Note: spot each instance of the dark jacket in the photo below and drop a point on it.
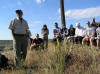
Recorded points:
(71, 32)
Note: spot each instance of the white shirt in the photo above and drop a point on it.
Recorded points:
(90, 31)
(98, 32)
(80, 32)
(18, 26)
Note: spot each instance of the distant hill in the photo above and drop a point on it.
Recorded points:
(6, 45)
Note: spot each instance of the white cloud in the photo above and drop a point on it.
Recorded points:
(83, 13)
(40, 1)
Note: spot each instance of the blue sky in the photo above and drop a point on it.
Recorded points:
(40, 12)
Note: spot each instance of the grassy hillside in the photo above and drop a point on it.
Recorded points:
(64, 58)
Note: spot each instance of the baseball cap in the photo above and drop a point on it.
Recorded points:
(77, 24)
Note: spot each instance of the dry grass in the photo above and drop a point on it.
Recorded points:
(64, 58)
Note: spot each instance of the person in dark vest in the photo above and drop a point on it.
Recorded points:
(37, 43)
(71, 31)
(19, 28)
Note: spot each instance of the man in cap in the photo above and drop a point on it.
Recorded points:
(79, 33)
(89, 34)
(71, 33)
(19, 28)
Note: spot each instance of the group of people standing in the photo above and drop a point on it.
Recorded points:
(21, 36)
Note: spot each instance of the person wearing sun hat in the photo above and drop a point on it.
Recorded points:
(89, 34)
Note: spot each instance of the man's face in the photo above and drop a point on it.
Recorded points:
(93, 19)
(37, 36)
(88, 24)
(44, 27)
(19, 15)
(56, 25)
(71, 27)
(78, 26)
(64, 27)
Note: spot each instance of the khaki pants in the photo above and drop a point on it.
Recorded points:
(20, 49)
